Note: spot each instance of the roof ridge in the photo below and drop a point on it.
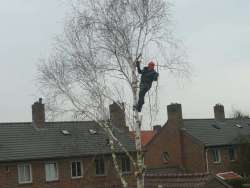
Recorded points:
(12, 123)
(214, 119)
(46, 122)
(87, 121)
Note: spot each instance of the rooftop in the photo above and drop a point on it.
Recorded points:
(24, 141)
(214, 133)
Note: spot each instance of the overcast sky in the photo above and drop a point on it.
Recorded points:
(216, 34)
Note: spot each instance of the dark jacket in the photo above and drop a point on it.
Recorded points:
(147, 76)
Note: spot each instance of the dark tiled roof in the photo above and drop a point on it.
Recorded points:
(214, 133)
(22, 141)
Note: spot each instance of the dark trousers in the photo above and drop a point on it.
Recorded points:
(143, 90)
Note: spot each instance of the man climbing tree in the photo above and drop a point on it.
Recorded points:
(148, 75)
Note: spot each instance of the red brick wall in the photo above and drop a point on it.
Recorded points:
(168, 140)
(225, 164)
(185, 151)
(193, 154)
(9, 179)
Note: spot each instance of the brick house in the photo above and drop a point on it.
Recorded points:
(42, 154)
(197, 145)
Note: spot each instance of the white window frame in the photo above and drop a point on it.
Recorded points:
(219, 155)
(46, 175)
(81, 163)
(19, 173)
(165, 156)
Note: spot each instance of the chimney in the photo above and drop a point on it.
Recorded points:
(174, 111)
(117, 115)
(38, 114)
(157, 128)
(219, 114)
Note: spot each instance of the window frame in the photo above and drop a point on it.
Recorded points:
(163, 154)
(104, 169)
(127, 169)
(217, 151)
(57, 171)
(81, 167)
(234, 152)
(19, 173)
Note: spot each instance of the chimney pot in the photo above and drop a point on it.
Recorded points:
(219, 113)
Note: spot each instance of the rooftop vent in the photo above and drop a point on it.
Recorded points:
(92, 131)
(215, 126)
(238, 125)
(65, 132)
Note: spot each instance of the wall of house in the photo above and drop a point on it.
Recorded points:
(9, 175)
(193, 154)
(225, 164)
(168, 140)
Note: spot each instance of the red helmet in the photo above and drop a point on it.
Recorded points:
(151, 65)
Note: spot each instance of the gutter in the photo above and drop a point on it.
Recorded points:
(207, 168)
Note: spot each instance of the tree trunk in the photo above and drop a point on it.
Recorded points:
(140, 162)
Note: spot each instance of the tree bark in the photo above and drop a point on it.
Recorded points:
(139, 172)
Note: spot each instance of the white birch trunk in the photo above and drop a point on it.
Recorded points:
(140, 162)
(124, 183)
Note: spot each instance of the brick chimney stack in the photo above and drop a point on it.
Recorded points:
(174, 111)
(219, 113)
(38, 114)
(117, 115)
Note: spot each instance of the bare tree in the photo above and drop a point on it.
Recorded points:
(238, 114)
(93, 62)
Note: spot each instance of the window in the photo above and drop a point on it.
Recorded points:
(99, 166)
(232, 153)
(76, 169)
(165, 156)
(216, 155)
(51, 171)
(24, 173)
(126, 168)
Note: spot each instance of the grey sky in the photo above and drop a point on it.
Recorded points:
(215, 33)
